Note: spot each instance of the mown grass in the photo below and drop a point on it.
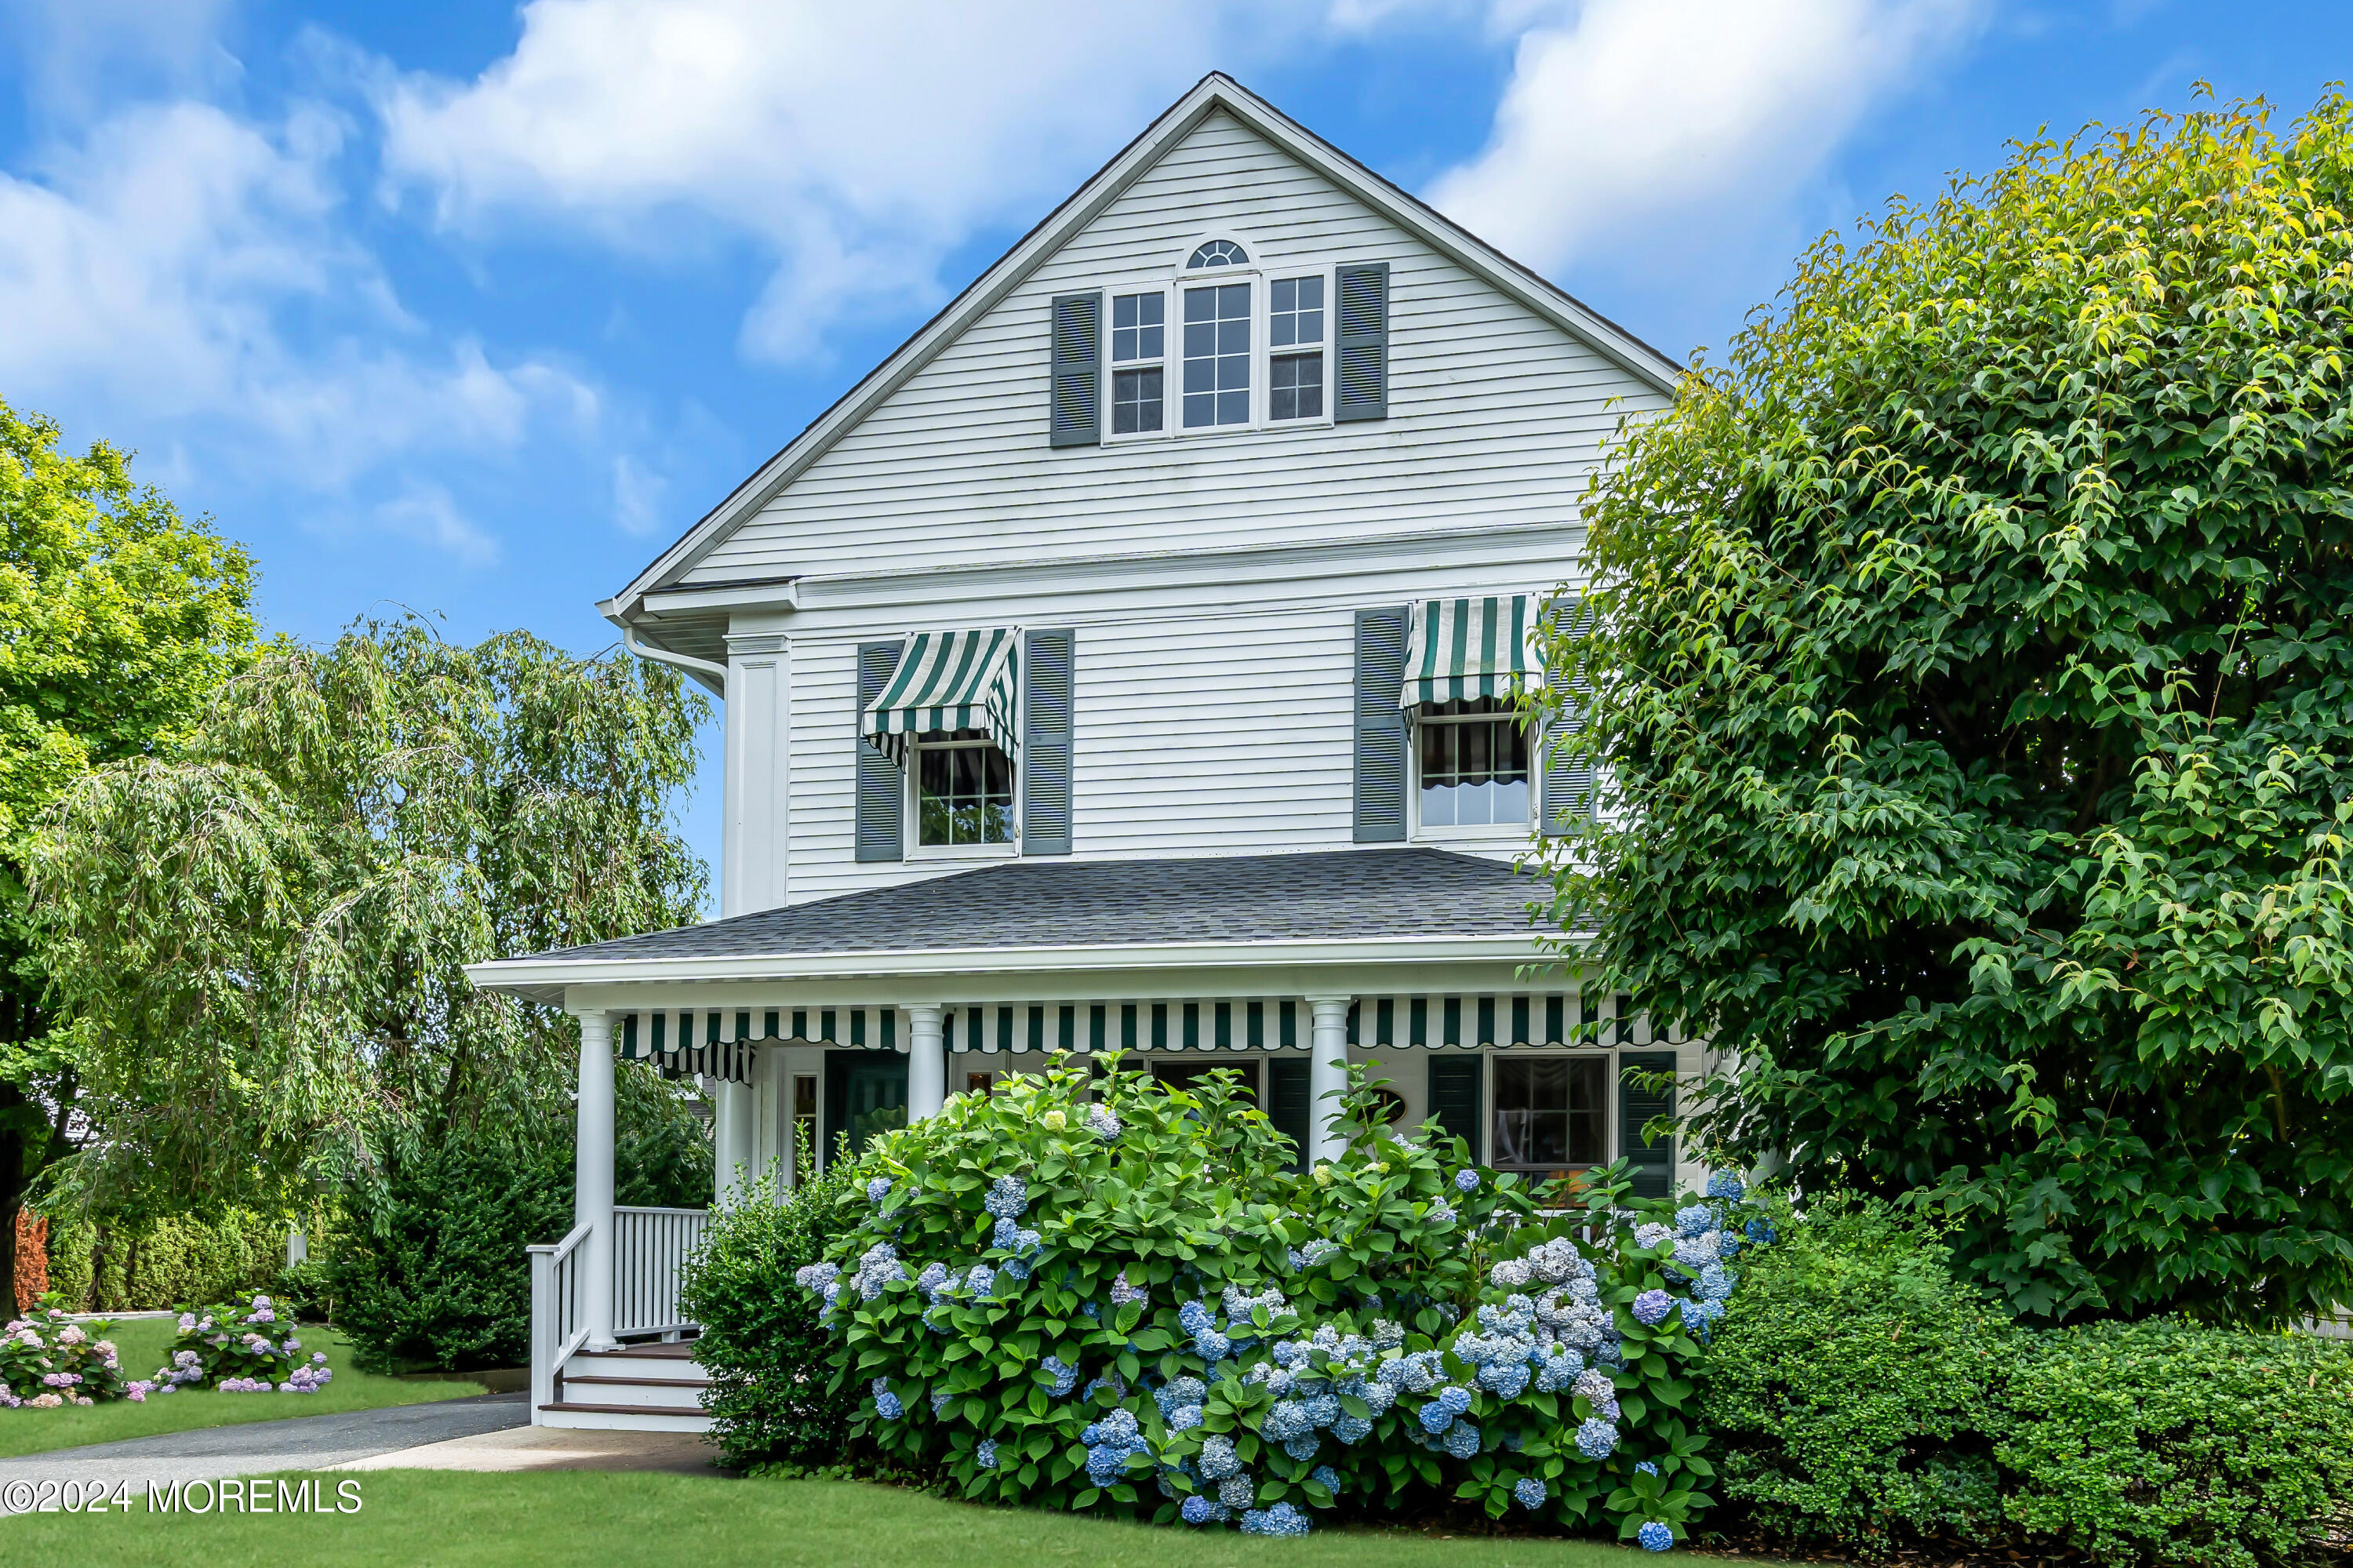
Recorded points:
(588, 1518)
(143, 1342)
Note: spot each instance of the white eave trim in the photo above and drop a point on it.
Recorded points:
(1213, 91)
(534, 976)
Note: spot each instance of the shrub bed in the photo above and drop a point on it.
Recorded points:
(241, 1350)
(1864, 1398)
(1096, 1292)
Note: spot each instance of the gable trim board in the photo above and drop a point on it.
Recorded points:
(1213, 92)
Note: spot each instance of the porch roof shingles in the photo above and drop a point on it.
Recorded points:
(1336, 895)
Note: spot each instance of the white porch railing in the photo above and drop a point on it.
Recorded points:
(651, 1247)
(2338, 1325)
(558, 1323)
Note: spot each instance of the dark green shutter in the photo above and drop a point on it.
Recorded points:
(1362, 384)
(881, 788)
(1457, 1090)
(1287, 1103)
(1046, 744)
(1380, 725)
(1653, 1163)
(1567, 786)
(1076, 418)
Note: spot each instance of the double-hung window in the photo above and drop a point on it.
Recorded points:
(1139, 330)
(964, 789)
(1216, 355)
(1294, 336)
(1473, 758)
(1552, 1112)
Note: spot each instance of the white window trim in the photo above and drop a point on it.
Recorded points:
(911, 799)
(1485, 833)
(1171, 284)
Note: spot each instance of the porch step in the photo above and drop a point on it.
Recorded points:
(637, 1393)
(639, 1382)
(624, 1417)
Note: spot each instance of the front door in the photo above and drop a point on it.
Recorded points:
(865, 1093)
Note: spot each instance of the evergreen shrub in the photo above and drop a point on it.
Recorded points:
(1098, 1292)
(1862, 1396)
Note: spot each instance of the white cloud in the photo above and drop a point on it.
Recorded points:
(857, 142)
(190, 273)
(638, 495)
(427, 514)
(1621, 112)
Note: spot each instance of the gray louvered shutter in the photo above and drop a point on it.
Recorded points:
(1653, 1163)
(1287, 1106)
(1457, 1085)
(1046, 735)
(1380, 725)
(1076, 419)
(881, 788)
(1362, 384)
(1567, 786)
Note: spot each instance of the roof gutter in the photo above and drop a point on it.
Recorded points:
(714, 675)
(519, 975)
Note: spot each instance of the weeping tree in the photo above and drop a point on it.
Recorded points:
(118, 619)
(260, 939)
(1971, 670)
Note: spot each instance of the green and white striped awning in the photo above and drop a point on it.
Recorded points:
(947, 679)
(718, 1043)
(1458, 649)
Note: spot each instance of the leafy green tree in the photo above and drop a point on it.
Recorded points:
(263, 936)
(118, 619)
(1971, 671)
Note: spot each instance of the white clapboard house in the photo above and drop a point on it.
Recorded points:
(1126, 662)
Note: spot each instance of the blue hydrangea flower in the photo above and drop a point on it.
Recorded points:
(1303, 1447)
(1598, 1389)
(1123, 1293)
(1655, 1537)
(1466, 1181)
(1177, 1391)
(1441, 1212)
(1327, 1477)
(1285, 1420)
(1694, 1219)
(1103, 1124)
(1183, 1418)
(1213, 1346)
(1281, 1519)
(986, 1454)
(1008, 1198)
(1196, 1509)
(1352, 1429)
(1217, 1459)
(1699, 1251)
(1646, 1468)
(1065, 1376)
(981, 1279)
(886, 1403)
(877, 1189)
(1715, 1282)
(1596, 1438)
(1462, 1440)
(1237, 1491)
(940, 1400)
(815, 1276)
(1724, 1184)
(1647, 1236)
(1530, 1492)
(1760, 1231)
(1194, 1319)
(1652, 1308)
(1508, 1379)
(1315, 1252)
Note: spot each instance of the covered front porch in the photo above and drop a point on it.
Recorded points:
(811, 1028)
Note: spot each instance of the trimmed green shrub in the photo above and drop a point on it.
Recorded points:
(1863, 1396)
(1102, 1292)
(433, 1274)
(2167, 1443)
(773, 1398)
(151, 1263)
(1850, 1387)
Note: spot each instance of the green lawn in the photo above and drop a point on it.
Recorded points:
(143, 1342)
(418, 1517)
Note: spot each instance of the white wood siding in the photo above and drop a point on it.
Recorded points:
(1495, 414)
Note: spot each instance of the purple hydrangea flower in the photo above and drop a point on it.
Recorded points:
(1652, 1308)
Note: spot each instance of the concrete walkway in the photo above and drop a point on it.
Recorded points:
(299, 1442)
(555, 1449)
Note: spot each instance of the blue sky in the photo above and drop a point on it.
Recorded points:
(472, 308)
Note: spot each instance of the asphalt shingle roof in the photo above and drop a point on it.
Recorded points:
(1336, 895)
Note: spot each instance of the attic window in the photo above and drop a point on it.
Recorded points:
(1218, 253)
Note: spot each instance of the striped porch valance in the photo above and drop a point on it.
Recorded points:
(1459, 649)
(947, 679)
(719, 1043)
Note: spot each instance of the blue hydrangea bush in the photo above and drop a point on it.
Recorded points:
(1092, 1291)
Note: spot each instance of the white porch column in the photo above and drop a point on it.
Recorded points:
(592, 1200)
(735, 1106)
(1327, 1072)
(927, 1064)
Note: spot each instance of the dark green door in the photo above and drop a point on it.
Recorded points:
(865, 1093)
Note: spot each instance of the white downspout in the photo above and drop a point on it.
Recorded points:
(664, 656)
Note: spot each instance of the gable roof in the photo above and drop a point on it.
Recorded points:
(1212, 92)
